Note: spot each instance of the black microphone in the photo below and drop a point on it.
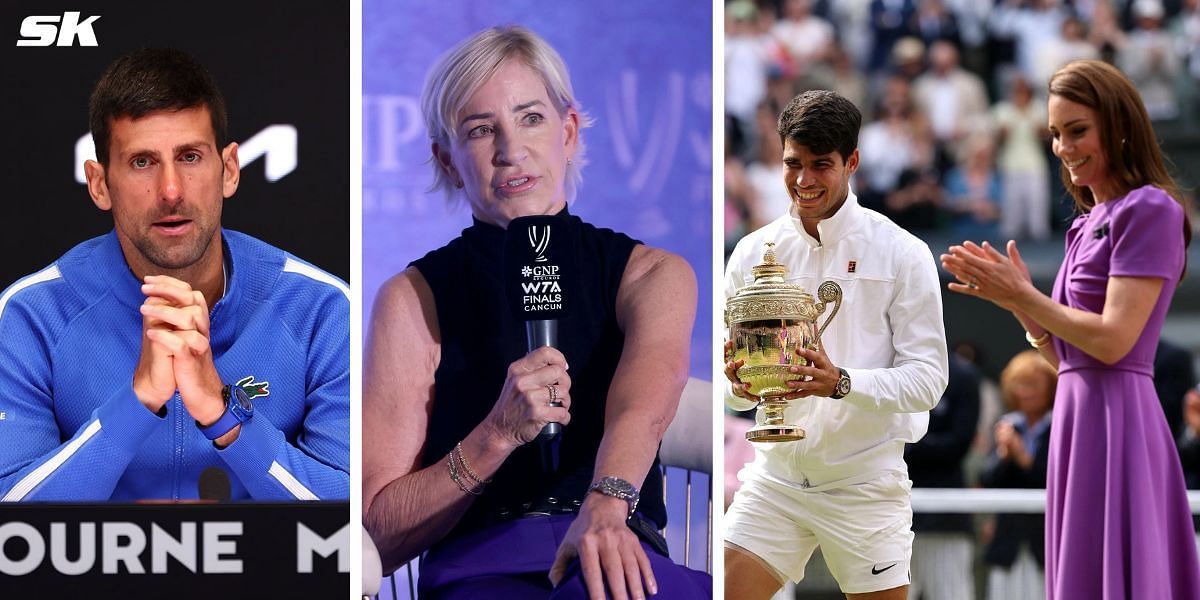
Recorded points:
(214, 485)
(539, 269)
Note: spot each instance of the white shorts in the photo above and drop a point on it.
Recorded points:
(864, 530)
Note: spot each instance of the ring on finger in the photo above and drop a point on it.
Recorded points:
(973, 283)
(553, 389)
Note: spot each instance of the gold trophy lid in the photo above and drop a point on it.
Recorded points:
(768, 268)
(770, 297)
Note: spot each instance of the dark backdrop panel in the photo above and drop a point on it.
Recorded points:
(276, 63)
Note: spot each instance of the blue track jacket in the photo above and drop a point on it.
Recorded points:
(72, 429)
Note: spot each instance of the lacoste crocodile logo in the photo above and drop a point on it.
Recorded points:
(254, 389)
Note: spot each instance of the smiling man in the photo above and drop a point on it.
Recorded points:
(172, 352)
(868, 390)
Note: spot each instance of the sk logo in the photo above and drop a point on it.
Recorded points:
(1100, 232)
(851, 266)
(539, 239)
(254, 389)
(41, 30)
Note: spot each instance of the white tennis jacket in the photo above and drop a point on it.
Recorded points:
(888, 335)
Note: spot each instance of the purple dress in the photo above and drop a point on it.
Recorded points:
(1117, 520)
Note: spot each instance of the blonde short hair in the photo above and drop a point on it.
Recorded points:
(460, 73)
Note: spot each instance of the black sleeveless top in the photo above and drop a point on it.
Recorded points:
(480, 338)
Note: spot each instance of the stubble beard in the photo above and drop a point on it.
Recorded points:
(180, 255)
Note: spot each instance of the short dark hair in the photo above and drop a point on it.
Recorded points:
(149, 80)
(821, 121)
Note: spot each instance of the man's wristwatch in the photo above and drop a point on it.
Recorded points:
(842, 387)
(238, 410)
(618, 488)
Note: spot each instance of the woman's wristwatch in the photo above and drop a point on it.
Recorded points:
(618, 488)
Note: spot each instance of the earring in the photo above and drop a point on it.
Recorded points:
(569, 162)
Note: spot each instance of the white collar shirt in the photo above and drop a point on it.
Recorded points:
(888, 335)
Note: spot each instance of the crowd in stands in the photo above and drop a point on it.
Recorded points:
(954, 135)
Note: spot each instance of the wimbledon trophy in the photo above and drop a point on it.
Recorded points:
(768, 320)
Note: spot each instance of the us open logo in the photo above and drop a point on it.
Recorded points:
(42, 30)
(539, 240)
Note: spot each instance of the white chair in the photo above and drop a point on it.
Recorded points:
(687, 445)
(372, 568)
(688, 441)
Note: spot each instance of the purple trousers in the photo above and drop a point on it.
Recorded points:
(511, 561)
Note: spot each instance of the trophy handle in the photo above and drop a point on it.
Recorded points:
(826, 293)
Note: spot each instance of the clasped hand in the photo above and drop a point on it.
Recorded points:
(1009, 445)
(1191, 411)
(819, 376)
(175, 352)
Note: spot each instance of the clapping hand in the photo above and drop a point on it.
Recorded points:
(983, 272)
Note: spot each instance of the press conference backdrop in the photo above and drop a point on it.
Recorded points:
(284, 71)
(643, 71)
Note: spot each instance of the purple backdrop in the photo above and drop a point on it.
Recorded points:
(643, 71)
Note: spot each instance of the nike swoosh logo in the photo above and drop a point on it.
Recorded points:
(875, 571)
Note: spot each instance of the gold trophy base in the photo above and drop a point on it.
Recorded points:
(773, 429)
(775, 433)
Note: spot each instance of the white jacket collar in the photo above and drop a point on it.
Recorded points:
(834, 228)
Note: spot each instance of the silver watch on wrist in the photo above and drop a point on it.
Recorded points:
(618, 488)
